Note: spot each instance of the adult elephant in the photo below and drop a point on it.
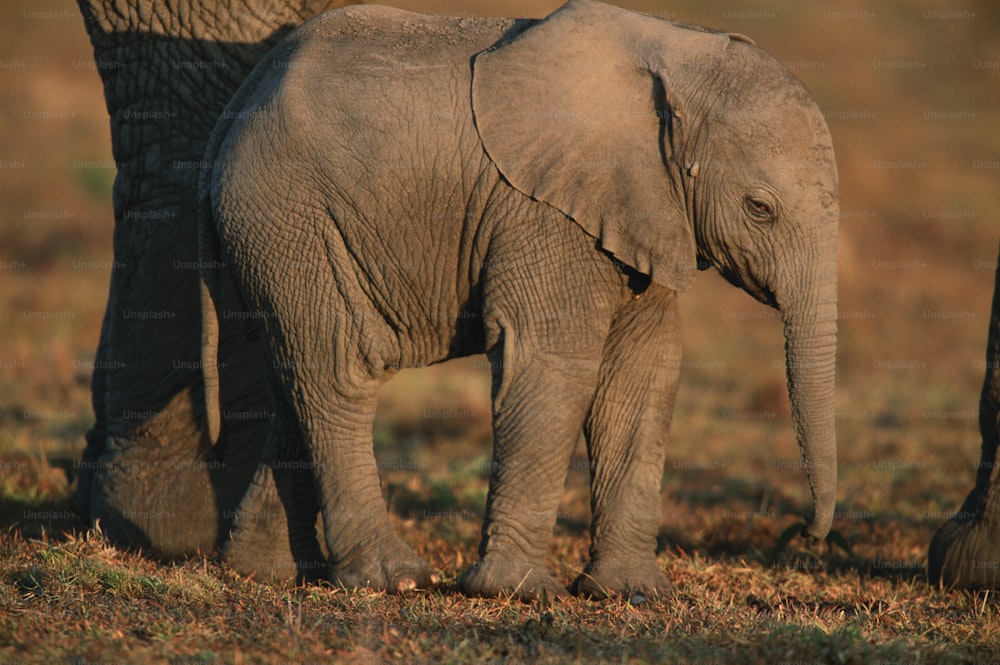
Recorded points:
(965, 551)
(147, 474)
(382, 204)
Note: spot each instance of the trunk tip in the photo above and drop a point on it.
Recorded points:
(818, 527)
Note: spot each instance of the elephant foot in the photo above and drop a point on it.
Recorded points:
(274, 565)
(273, 570)
(965, 554)
(396, 569)
(493, 577)
(638, 581)
(164, 504)
(265, 544)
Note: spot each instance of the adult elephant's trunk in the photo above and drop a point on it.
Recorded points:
(811, 350)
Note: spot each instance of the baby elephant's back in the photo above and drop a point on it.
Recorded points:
(386, 82)
(351, 155)
(361, 101)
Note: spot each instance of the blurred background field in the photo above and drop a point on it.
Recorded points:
(911, 90)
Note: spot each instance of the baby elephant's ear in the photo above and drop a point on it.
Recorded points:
(572, 114)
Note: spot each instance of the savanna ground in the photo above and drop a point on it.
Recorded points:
(911, 90)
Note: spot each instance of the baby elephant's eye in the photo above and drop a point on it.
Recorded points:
(759, 209)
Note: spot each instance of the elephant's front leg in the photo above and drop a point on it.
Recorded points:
(544, 341)
(537, 422)
(626, 434)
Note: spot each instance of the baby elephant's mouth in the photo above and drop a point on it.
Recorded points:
(768, 298)
(761, 292)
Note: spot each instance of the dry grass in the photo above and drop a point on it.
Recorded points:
(80, 598)
(918, 246)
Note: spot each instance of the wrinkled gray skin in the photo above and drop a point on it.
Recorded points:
(382, 205)
(965, 551)
(147, 473)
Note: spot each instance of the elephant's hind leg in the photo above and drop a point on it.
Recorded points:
(327, 353)
(274, 533)
(330, 398)
(364, 549)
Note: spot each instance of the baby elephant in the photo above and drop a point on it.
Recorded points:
(393, 190)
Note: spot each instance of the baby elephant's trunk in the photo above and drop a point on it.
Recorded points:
(810, 327)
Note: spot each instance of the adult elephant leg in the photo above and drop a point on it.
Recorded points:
(965, 551)
(147, 474)
(626, 435)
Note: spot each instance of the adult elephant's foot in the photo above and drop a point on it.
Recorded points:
(637, 580)
(965, 554)
(493, 576)
(392, 567)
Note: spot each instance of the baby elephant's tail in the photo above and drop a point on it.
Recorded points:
(209, 266)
